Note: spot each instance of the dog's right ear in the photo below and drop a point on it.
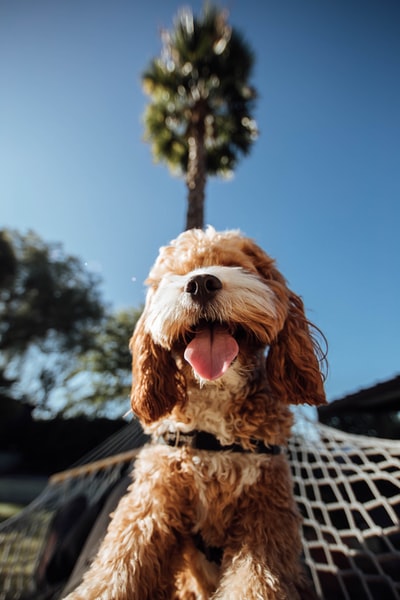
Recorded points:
(157, 384)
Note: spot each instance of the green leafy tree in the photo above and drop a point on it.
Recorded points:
(8, 261)
(8, 267)
(199, 120)
(101, 379)
(49, 307)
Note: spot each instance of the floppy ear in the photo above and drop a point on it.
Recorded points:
(157, 384)
(294, 359)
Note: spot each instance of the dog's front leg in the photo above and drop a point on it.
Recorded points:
(135, 560)
(261, 558)
(246, 575)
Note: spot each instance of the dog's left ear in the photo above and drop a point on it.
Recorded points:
(295, 359)
(157, 384)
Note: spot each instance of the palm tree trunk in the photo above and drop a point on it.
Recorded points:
(196, 173)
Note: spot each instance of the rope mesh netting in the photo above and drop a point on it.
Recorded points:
(347, 488)
(28, 541)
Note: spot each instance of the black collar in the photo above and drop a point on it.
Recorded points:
(202, 440)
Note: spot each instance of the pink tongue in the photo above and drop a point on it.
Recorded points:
(211, 352)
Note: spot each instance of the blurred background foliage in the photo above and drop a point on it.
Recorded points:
(62, 350)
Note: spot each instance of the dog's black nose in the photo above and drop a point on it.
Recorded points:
(203, 287)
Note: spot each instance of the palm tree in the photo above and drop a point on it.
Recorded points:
(199, 117)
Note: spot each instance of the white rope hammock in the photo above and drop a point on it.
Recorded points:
(77, 496)
(347, 488)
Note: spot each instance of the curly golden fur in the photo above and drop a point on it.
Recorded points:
(223, 346)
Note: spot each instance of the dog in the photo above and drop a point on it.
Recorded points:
(220, 352)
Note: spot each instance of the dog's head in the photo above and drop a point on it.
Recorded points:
(214, 298)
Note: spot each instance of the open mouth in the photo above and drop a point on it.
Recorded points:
(211, 350)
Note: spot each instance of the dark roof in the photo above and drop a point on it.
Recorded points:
(383, 396)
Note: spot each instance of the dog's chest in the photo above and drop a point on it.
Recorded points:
(223, 483)
(224, 476)
(210, 408)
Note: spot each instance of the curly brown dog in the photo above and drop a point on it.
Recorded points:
(220, 352)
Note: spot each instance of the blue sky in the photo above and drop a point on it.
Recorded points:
(319, 192)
